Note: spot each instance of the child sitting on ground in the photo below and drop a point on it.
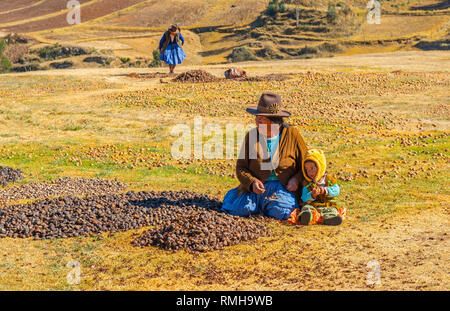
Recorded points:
(318, 194)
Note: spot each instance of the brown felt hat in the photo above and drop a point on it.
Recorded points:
(269, 106)
(174, 28)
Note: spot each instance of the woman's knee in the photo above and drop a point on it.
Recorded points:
(280, 212)
(237, 209)
(244, 204)
(281, 203)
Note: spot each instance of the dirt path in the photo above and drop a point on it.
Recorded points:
(407, 61)
(412, 252)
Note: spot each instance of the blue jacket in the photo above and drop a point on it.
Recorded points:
(332, 191)
(161, 42)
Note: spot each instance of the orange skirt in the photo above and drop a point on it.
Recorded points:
(316, 216)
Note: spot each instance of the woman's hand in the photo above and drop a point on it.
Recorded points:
(258, 187)
(292, 184)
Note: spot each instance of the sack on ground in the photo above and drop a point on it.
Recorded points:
(233, 73)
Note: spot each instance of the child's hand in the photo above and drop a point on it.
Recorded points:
(323, 190)
(315, 192)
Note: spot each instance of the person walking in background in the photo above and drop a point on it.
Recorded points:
(171, 47)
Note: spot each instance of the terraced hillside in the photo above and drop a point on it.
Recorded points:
(35, 15)
(219, 31)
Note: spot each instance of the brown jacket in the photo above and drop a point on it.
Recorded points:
(292, 149)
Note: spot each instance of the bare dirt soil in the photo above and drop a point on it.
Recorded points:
(89, 12)
(11, 5)
(44, 8)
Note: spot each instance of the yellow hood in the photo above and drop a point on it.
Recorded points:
(318, 157)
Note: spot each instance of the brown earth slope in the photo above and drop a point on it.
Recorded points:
(221, 31)
(92, 10)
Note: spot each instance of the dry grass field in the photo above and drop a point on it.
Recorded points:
(382, 120)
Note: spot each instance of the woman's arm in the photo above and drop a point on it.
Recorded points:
(181, 37)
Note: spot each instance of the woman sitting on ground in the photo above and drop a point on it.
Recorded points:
(269, 167)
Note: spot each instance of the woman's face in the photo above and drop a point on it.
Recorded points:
(267, 127)
(264, 125)
(262, 120)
